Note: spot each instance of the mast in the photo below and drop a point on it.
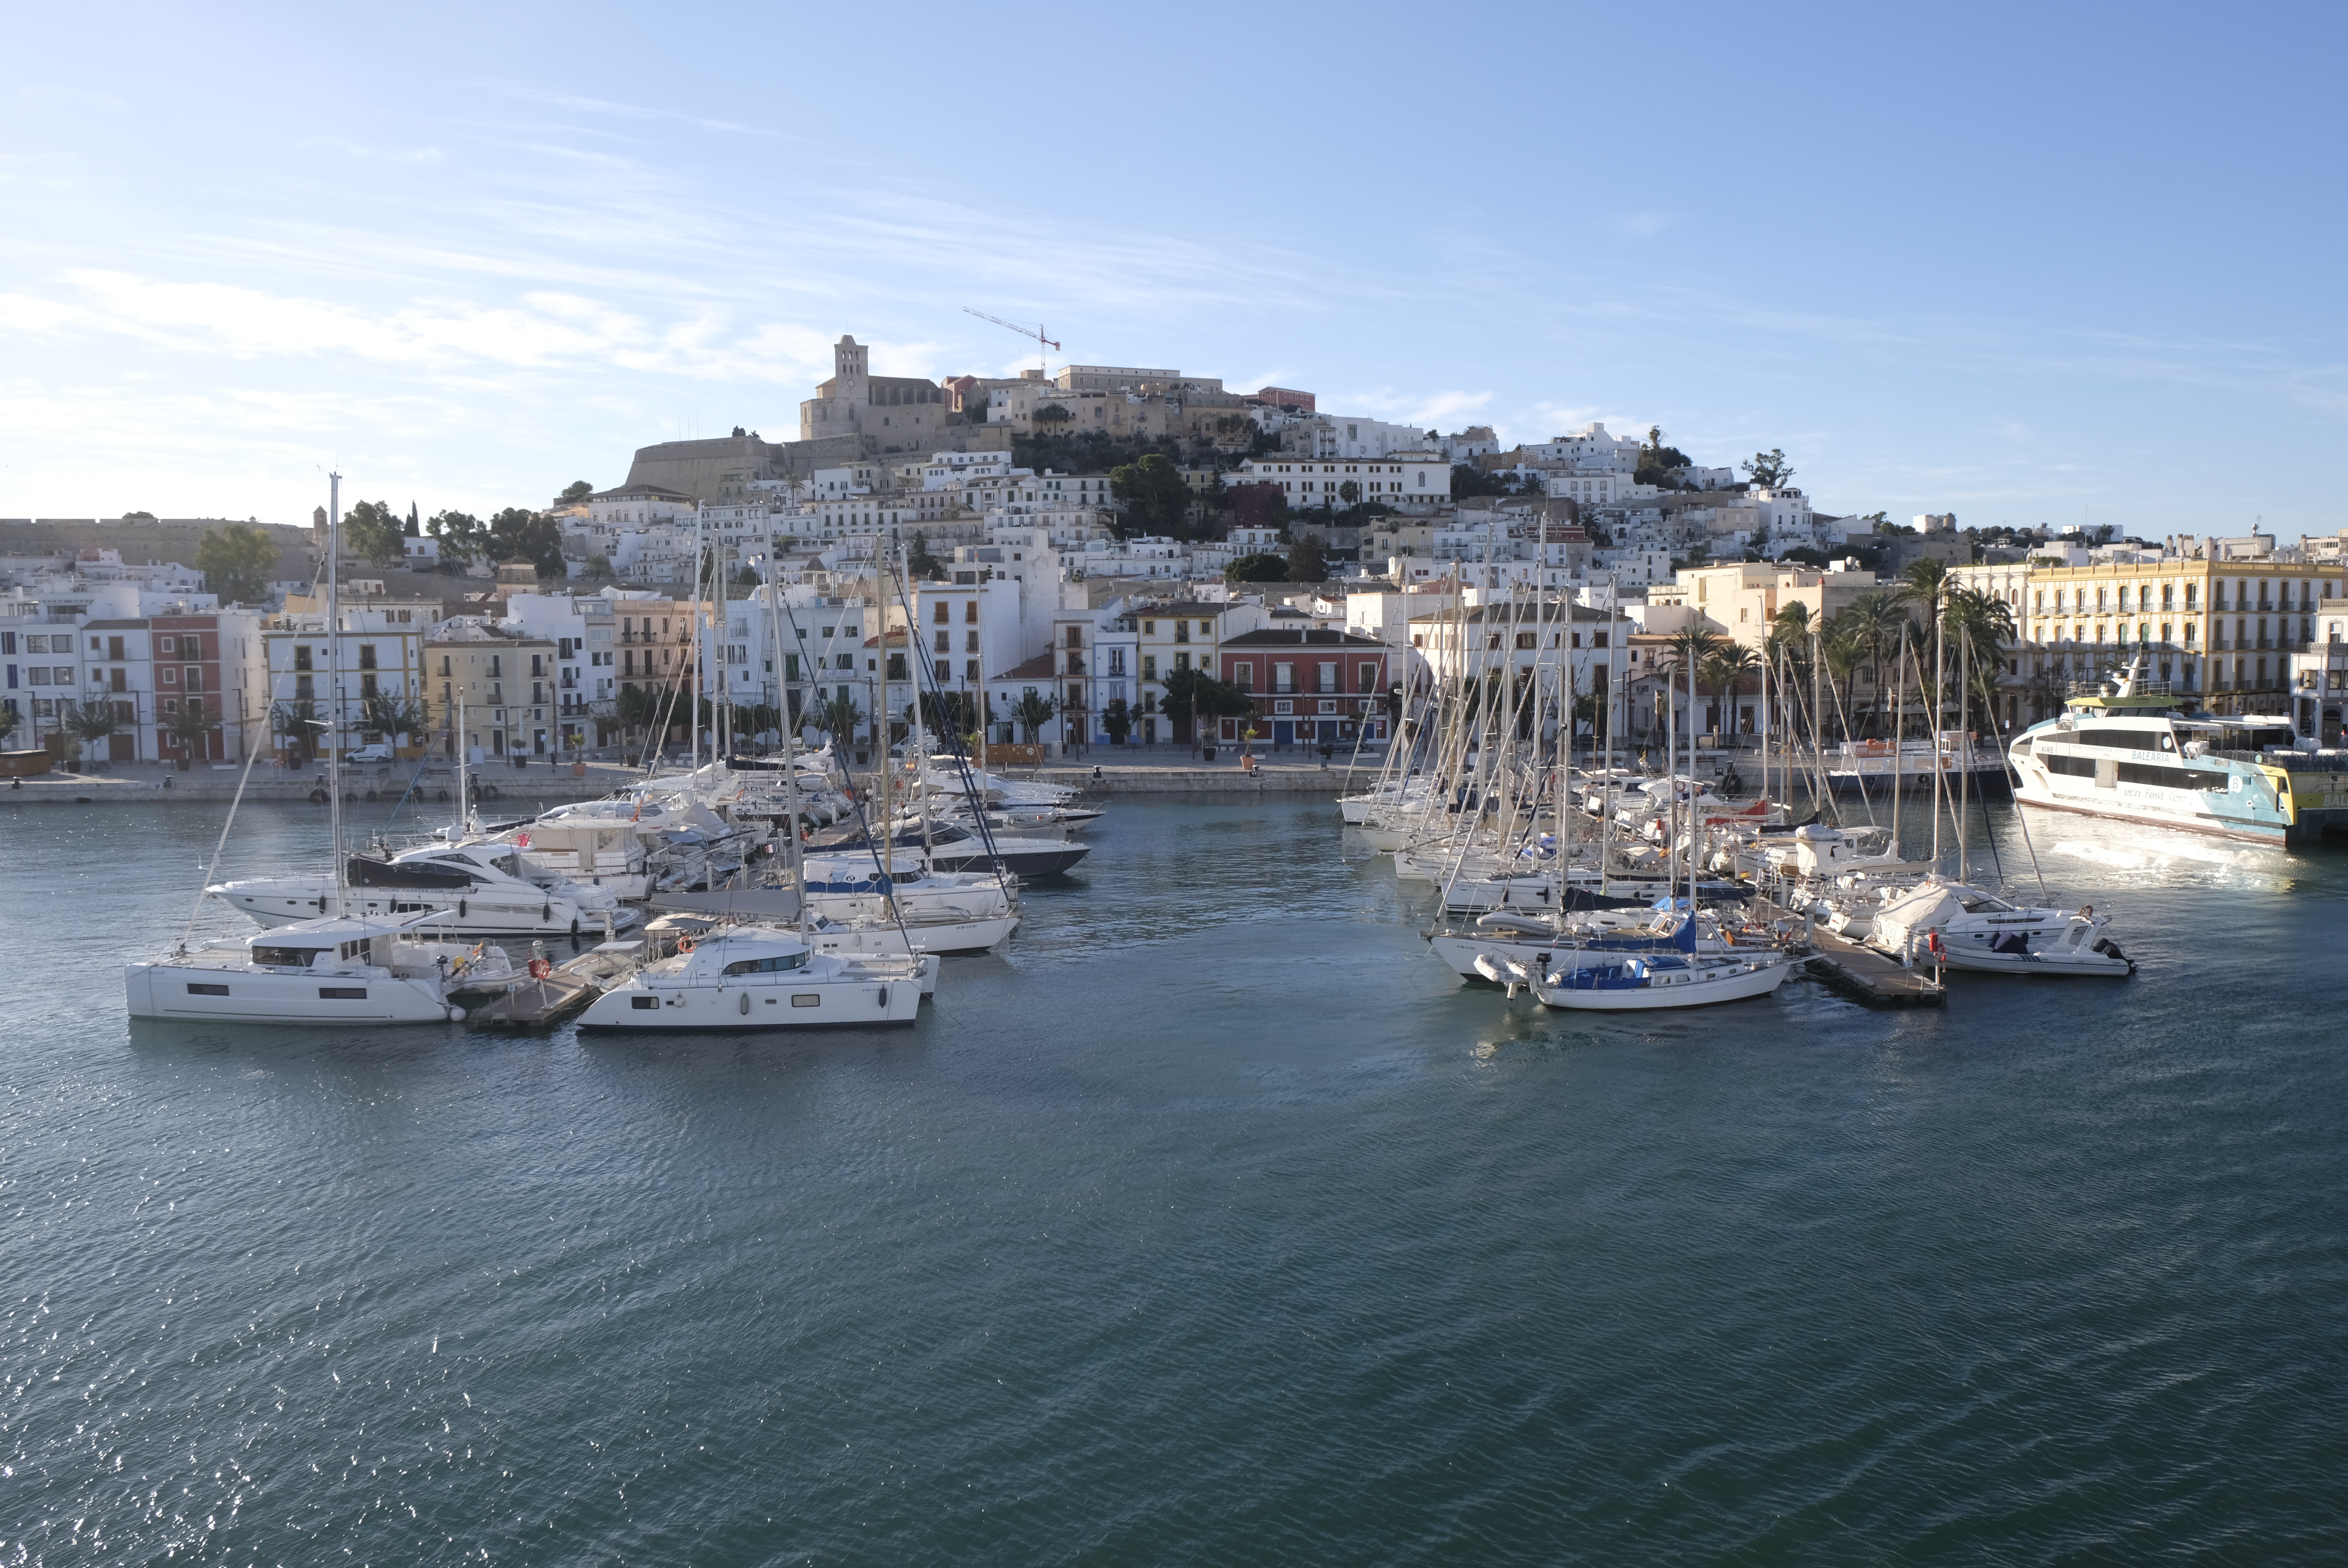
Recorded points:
(693, 726)
(795, 863)
(881, 720)
(916, 743)
(464, 777)
(335, 685)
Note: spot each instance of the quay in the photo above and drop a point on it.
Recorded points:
(514, 790)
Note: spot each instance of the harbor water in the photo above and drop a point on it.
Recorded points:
(1212, 1221)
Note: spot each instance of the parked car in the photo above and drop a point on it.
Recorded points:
(380, 751)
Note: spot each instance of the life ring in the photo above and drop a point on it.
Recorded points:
(684, 944)
(2086, 911)
(317, 798)
(540, 968)
(490, 791)
(442, 795)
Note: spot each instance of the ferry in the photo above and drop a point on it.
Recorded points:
(2130, 748)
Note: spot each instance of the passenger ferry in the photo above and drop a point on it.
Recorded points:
(2132, 750)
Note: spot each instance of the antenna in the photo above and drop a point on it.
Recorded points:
(1035, 331)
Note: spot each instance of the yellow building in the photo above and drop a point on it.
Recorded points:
(504, 687)
(2222, 630)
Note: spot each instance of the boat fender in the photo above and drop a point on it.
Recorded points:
(545, 913)
(574, 920)
(461, 909)
(746, 1001)
(317, 798)
(540, 968)
(884, 998)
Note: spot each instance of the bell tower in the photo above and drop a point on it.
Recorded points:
(850, 380)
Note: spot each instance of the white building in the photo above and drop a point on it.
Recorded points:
(1414, 478)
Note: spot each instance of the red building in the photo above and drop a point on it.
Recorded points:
(1288, 397)
(1311, 686)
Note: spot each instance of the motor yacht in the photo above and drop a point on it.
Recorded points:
(1981, 931)
(473, 889)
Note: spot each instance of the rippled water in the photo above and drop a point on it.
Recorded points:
(1212, 1221)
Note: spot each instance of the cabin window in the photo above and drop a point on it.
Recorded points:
(773, 966)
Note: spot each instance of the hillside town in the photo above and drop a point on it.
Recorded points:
(1109, 556)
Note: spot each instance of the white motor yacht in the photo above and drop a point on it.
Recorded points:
(339, 970)
(737, 979)
(1981, 931)
(473, 889)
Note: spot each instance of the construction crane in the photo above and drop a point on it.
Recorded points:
(1035, 331)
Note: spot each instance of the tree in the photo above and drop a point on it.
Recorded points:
(235, 559)
(1052, 414)
(1257, 568)
(973, 409)
(191, 726)
(1034, 710)
(920, 561)
(1529, 484)
(387, 715)
(1467, 480)
(1308, 560)
(461, 534)
(840, 718)
(597, 569)
(1659, 464)
(1196, 693)
(9, 720)
(1769, 470)
(519, 533)
(574, 492)
(297, 719)
(1154, 495)
(1350, 493)
(138, 517)
(374, 530)
(1117, 720)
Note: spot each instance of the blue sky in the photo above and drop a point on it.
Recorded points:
(2027, 264)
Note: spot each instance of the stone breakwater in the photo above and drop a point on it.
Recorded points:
(515, 787)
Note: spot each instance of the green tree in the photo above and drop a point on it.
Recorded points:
(1154, 495)
(461, 535)
(235, 559)
(1257, 568)
(1769, 470)
(1052, 414)
(1659, 464)
(1350, 493)
(1117, 720)
(392, 716)
(1467, 480)
(840, 718)
(9, 720)
(1194, 693)
(191, 726)
(519, 533)
(597, 569)
(297, 719)
(1034, 710)
(91, 722)
(1308, 559)
(576, 491)
(374, 530)
(920, 561)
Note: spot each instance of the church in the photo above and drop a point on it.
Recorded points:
(894, 413)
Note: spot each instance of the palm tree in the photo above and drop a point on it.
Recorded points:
(1687, 650)
(394, 716)
(8, 720)
(1788, 652)
(1880, 624)
(1843, 647)
(1724, 671)
(840, 718)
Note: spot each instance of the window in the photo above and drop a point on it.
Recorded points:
(1150, 667)
(167, 645)
(300, 656)
(366, 655)
(944, 612)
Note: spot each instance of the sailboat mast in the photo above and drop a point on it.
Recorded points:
(795, 864)
(335, 685)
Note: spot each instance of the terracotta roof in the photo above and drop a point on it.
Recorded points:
(1036, 668)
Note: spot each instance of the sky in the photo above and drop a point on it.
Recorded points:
(2027, 264)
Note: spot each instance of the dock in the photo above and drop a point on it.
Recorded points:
(1860, 972)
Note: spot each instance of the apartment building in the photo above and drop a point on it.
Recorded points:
(317, 709)
(1404, 478)
(505, 687)
(1313, 685)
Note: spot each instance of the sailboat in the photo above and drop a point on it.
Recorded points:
(1677, 976)
(336, 966)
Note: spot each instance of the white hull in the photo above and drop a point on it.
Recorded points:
(759, 1003)
(1706, 984)
(2181, 814)
(471, 916)
(201, 993)
(2092, 963)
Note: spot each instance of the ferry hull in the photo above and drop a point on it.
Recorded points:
(2275, 833)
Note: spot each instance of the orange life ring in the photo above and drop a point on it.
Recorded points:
(540, 968)
(684, 944)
